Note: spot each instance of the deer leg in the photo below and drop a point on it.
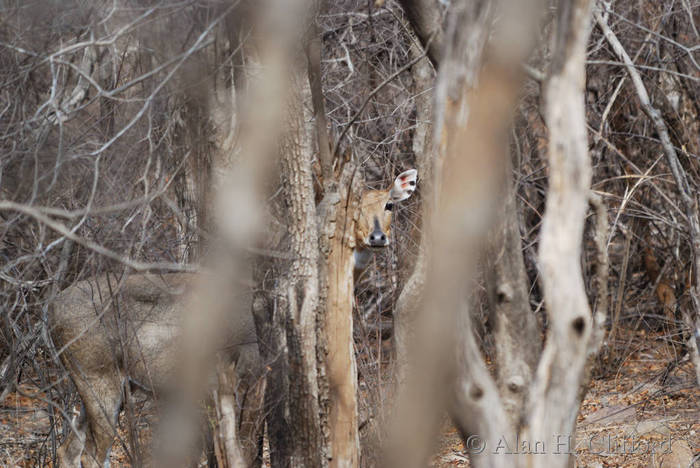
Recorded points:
(68, 454)
(102, 398)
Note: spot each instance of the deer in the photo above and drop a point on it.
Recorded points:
(373, 226)
(108, 336)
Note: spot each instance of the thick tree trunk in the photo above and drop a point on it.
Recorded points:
(314, 377)
(472, 170)
(299, 291)
(554, 398)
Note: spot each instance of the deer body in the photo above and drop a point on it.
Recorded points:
(108, 335)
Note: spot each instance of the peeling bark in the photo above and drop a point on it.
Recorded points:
(341, 368)
(228, 452)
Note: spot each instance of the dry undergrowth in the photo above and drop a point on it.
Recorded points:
(628, 418)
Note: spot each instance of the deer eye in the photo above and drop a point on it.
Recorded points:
(389, 206)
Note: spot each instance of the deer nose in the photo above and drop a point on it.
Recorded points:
(377, 239)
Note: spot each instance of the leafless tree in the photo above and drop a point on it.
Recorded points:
(238, 138)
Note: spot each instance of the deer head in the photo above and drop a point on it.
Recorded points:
(374, 224)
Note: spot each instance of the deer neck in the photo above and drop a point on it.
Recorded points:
(362, 258)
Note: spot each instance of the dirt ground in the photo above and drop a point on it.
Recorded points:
(640, 417)
(643, 415)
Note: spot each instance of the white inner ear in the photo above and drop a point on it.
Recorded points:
(397, 192)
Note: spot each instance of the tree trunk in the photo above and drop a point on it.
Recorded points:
(472, 169)
(341, 367)
(299, 290)
(516, 331)
(554, 398)
(408, 303)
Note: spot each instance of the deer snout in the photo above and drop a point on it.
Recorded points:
(377, 238)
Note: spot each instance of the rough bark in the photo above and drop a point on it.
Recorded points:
(300, 288)
(554, 398)
(314, 417)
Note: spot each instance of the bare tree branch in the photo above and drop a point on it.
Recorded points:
(688, 198)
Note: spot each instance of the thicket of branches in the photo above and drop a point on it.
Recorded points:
(113, 119)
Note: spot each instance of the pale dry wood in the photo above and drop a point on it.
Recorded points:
(340, 362)
(554, 397)
(516, 331)
(448, 370)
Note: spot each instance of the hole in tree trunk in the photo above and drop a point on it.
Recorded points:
(476, 392)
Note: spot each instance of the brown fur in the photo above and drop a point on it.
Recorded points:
(372, 205)
(107, 336)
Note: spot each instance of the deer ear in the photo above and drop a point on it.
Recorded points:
(404, 185)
